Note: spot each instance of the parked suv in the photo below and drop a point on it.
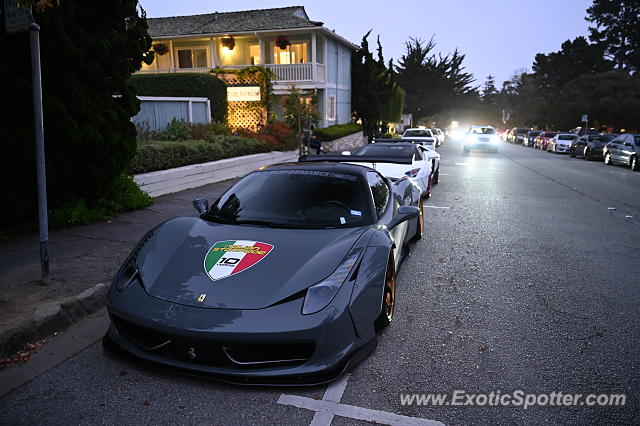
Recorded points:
(530, 138)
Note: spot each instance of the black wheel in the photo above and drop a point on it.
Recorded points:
(587, 154)
(635, 164)
(572, 154)
(607, 159)
(436, 177)
(420, 223)
(388, 296)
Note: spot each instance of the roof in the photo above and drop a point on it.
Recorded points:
(232, 22)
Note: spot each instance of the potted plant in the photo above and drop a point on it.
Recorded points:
(161, 49)
(229, 42)
(282, 42)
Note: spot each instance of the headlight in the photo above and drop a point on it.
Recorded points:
(127, 273)
(321, 294)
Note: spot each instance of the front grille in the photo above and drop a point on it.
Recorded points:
(214, 353)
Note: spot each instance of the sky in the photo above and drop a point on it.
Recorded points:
(497, 36)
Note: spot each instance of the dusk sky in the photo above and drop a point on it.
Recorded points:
(497, 36)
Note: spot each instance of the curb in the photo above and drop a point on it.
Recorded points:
(52, 317)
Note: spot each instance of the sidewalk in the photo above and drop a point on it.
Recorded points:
(83, 261)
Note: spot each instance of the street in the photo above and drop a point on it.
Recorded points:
(526, 279)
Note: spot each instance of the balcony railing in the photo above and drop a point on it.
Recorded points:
(285, 73)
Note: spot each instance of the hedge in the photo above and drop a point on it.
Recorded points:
(162, 155)
(330, 133)
(185, 85)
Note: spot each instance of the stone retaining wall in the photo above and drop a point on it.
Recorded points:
(174, 180)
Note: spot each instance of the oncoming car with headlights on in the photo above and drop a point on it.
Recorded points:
(285, 279)
(481, 137)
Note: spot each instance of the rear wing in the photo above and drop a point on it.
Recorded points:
(356, 159)
(408, 140)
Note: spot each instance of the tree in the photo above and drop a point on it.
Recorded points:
(575, 57)
(612, 99)
(88, 51)
(433, 83)
(489, 90)
(617, 29)
(376, 97)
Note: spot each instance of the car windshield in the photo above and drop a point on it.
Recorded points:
(636, 140)
(601, 138)
(302, 198)
(417, 133)
(534, 133)
(522, 131)
(482, 130)
(549, 134)
(387, 150)
(567, 137)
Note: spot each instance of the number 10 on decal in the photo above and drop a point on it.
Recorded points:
(228, 261)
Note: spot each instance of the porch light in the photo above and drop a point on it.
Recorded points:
(228, 43)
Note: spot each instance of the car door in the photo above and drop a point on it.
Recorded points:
(614, 147)
(626, 149)
(383, 199)
(422, 162)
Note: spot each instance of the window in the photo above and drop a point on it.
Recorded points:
(192, 58)
(379, 192)
(331, 108)
(295, 53)
(254, 54)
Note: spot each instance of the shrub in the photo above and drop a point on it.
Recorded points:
(177, 130)
(162, 155)
(337, 131)
(285, 136)
(205, 131)
(89, 50)
(185, 85)
(124, 195)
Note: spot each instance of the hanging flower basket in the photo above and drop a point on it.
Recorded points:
(161, 49)
(229, 42)
(282, 42)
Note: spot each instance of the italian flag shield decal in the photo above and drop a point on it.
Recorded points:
(226, 258)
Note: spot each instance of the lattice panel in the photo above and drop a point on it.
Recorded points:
(246, 115)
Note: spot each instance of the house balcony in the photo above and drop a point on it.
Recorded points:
(284, 73)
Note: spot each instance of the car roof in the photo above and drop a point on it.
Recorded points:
(350, 169)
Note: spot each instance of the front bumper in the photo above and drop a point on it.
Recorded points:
(275, 345)
(562, 148)
(487, 146)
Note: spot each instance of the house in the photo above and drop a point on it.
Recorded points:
(300, 52)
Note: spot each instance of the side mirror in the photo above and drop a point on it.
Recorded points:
(404, 213)
(346, 152)
(201, 204)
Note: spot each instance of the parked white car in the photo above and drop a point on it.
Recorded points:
(422, 136)
(401, 160)
(561, 142)
(439, 134)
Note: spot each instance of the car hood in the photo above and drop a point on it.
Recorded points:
(172, 262)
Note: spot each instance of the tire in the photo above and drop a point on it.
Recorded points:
(388, 297)
(572, 154)
(635, 164)
(607, 159)
(436, 177)
(419, 223)
(587, 154)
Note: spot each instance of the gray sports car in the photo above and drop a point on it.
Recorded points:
(285, 279)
